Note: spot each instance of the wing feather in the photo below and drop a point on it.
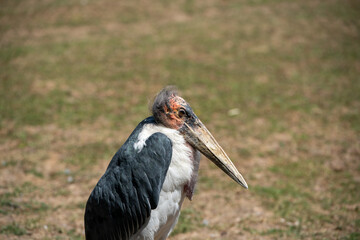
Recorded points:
(121, 202)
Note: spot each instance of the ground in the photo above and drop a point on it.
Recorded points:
(275, 81)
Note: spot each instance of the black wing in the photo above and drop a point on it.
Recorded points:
(121, 202)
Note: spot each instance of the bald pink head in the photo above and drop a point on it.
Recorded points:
(170, 109)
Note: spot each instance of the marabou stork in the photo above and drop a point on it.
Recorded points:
(144, 186)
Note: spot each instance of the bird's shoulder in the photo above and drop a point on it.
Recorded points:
(151, 141)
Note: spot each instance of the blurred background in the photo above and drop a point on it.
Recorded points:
(276, 82)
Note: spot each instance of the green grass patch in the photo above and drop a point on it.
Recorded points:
(353, 120)
(32, 223)
(73, 235)
(352, 236)
(13, 229)
(287, 200)
(301, 172)
(35, 172)
(189, 220)
(244, 153)
(344, 188)
(88, 154)
(291, 231)
(273, 231)
(19, 200)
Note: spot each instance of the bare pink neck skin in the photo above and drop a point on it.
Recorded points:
(189, 188)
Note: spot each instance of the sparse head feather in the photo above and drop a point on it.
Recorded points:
(161, 100)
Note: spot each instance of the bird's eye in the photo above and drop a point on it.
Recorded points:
(182, 113)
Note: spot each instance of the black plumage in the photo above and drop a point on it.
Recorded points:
(121, 202)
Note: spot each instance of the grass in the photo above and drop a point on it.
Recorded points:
(76, 78)
(13, 229)
(19, 200)
(189, 220)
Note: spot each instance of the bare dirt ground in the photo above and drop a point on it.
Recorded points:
(76, 78)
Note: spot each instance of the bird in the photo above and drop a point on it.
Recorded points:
(141, 192)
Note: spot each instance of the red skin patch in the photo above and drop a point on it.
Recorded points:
(174, 104)
(173, 120)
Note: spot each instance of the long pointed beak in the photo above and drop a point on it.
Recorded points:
(197, 135)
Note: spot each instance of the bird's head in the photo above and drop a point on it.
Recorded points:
(174, 112)
(171, 110)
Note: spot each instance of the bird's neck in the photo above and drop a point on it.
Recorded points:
(189, 187)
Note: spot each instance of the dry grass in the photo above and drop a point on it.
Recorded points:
(76, 78)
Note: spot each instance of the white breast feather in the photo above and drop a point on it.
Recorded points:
(181, 166)
(165, 216)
